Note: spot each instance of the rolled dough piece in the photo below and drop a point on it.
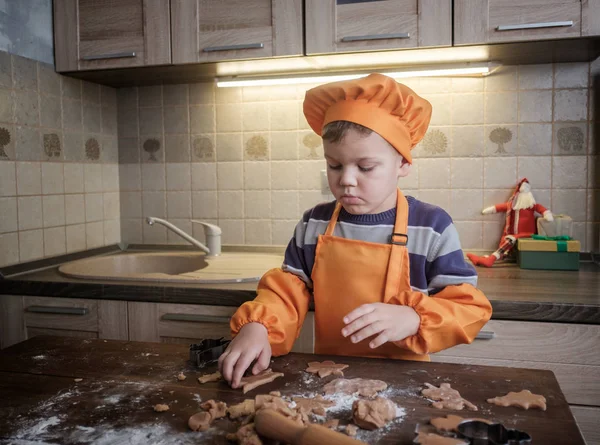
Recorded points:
(215, 376)
(435, 439)
(250, 382)
(200, 421)
(450, 422)
(523, 399)
(323, 369)
(364, 387)
(446, 397)
(245, 408)
(215, 409)
(267, 401)
(351, 430)
(332, 424)
(181, 377)
(159, 407)
(373, 414)
(316, 405)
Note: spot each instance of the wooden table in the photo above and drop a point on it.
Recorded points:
(122, 381)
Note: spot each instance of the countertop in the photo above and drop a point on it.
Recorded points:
(515, 294)
(122, 381)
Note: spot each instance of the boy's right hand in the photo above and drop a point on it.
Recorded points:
(252, 342)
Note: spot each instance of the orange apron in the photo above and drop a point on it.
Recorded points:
(348, 273)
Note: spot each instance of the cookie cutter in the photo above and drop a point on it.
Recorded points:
(207, 351)
(482, 433)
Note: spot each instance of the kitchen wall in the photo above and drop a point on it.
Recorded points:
(59, 176)
(245, 158)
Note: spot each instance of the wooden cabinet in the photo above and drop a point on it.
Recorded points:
(25, 317)
(212, 30)
(98, 34)
(571, 351)
(494, 21)
(334, 26)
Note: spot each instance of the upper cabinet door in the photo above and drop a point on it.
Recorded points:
(213, 30)
(334, 26)
(98, 34)
(493, 21)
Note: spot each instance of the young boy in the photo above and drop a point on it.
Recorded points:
(386, 273)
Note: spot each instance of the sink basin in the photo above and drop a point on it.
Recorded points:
(181, 267)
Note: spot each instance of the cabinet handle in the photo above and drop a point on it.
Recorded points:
(195, 318)
(485, 335)
(58, 310)
(535, 25)
(109, 56)
(209, 49)
(400, 35)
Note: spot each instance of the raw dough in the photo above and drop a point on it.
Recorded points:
(200, 421)
(77, 380)
(245, 408)
(351, 430)
(435, 439)
(246, 435)
(450, 422)
(275, 393)
(323, 369)
(363, 387)
(332, 424)
(215, 409)
(181, 377)
(266, 401)
(373, 414)
(446, 397)
(215, 376)
(159, 408)
(315, 405)
(524, 399)
(254, 381)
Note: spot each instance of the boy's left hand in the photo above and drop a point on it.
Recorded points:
(392, 322)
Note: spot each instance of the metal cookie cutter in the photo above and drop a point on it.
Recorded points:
(481, 433)
(207, 351)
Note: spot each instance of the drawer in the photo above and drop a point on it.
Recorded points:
(192, 322)
(579, 383)
(587, 420)
(65, 314)
(535, 342)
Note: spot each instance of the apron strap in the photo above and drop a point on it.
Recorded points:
(333, 220)
(398, 252)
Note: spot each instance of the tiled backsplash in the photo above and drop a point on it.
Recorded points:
(59, 173)
(245, 158)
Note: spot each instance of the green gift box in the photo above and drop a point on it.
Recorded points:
(546, 253)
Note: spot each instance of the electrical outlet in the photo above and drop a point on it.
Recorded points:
(324, 183)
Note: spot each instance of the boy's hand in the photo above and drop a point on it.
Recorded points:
(391, 321)
(252, 342)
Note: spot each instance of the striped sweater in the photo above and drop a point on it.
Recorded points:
(436, 257)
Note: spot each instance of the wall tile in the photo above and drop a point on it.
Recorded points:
(112, 206)
(535, 77)
(593, 237)
(29, 178)
(27, 109)
(94, 207)
(233, 231)
(7, 106)
(436, 143)
(131, 205)
(109, 121)
(593, 163)
(284, 204)
(5, 69)
(257, 204)
(282, 231)
(307, 199)
(74, 147)
(70, 87)
(198, 230)
(284, 115)
(92, 174)
(8, 178)
(503, 79)
(203, 119)
(154, 234)
(203, 148)
(470, 234)
(284, 175)
(179, 177)
(438, 197)
(256, 146)
(499, 172)
(150, 96)
(258, 232)
(50, 111)
(152, 148)
(151, 120)
(537, 169)
(130, 177)
(112, 232)
(230, 176)
(570, 105)
(501, 108)
(434, 173)
(90, 92)
(31, 245)
(501, 140)
(467, 84)
(127, 98)
(8, 215)
(175, 94)
(127, 122)
(28, 146)
(179, 205)
(411, 181)
(183, 224)
(55, 242)
(466, 204)
(94, 234)
(570, 138)
(74, 179)
(177, 148)
(229, 147)
(131, 231)
(467, 108)
(492, 233)
(204, 176)
(229, 118)
(570, 202)
(593, 206)
(442, 108)
(24, 73)
(30, 212)
(569, 171)
(110, 177)
(309, 174)
(8, 149)
(154, 204)
(535, 106)
(535, 139)
(571, 75)
(466, 173)
(75, 238)
(434, 85)
(204, 205)
(75, 208)
(108, 96)
(468, 140)
(228, 95)
(153, 177)
(284, 145)
(53, 178)
(255, 116)
(257, 175)
(72, 118)
(176, 120)
(231, 204)
(92, 118)
(202, 93)
(129, 150)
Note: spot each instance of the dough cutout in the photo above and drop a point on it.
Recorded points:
(250, 382)
(315, 405)
(523, 399)
(373, 414)
(364, 387)
(160, 407)
(446, 397)
(266, 401)
(214, 377)
(215, 409)
(200, 421)
(323, 369)
(181, 377)
(245, 408)
(450, 422)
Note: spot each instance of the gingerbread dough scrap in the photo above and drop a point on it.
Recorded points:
(332, 424)
(446, 397)
(215, 376)
(250, 382)
(351, 430)
(245, 408)
(266, 401)
(200, 421)
(523, 399)
(434, 439)
(373, 414)
(215, 409)
(181, 377)
(316, 405)
(246, 435)
(77, 380)
(275, 393)
(364, 387)
(450, 422)
(323, 369)
(159, 407)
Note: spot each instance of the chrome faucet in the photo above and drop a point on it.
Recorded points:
(212, 232)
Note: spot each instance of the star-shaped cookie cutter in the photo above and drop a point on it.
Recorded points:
(207, 351)
(481, 433)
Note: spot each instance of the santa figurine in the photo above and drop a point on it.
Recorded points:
(520, 222)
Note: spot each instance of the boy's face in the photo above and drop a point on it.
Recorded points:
(363, 172)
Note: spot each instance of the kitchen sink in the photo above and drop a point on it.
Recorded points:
(181, 267)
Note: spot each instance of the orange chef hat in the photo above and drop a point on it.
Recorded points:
(378, 102)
